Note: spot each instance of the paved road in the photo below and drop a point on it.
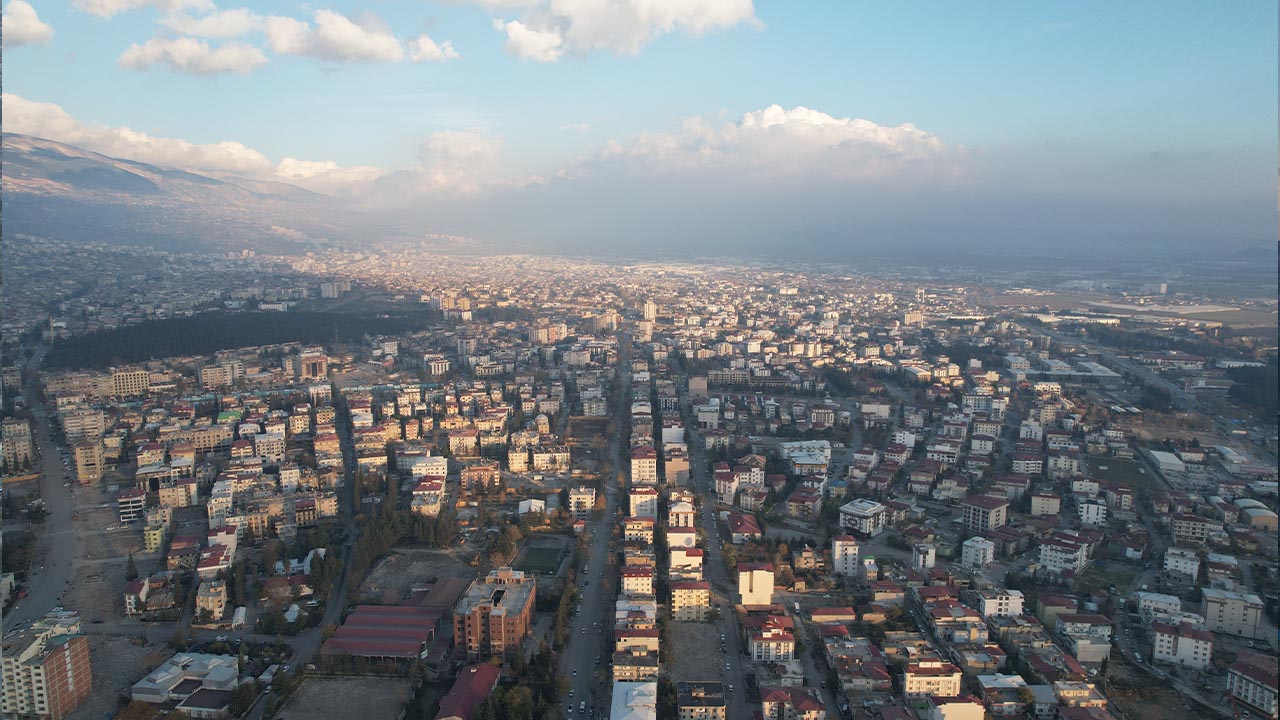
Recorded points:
(58, 543)
(585, 660)
(716, 572)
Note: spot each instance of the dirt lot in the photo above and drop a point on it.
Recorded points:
(394, 577)
(1141, 697)
(366, 698)
(697, 653)
(118, 662)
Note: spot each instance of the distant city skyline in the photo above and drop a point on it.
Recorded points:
(513, 120)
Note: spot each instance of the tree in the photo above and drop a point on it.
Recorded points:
(131, 569)
(138, 710)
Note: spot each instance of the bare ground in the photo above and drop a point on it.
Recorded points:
(367, 698)
(118, 662)
(392, 580)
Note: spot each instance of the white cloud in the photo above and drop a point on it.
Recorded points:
(334, 37)
(109, 8)
(50, 121)
(189, 55)
(22, 26)
(423, 48)
(458, 161)
(537, 45)
(327, 176)
(548, 28)
(774, 141)
(576, 127)
(218, 25)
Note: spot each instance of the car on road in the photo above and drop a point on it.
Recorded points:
(727, 666)
(575, 672)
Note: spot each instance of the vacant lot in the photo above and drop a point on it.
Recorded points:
(117, 662)
(1125, 472)
(1105, 573)
(394, 577)
(1142, 697)
(696, 655)
(365, 698)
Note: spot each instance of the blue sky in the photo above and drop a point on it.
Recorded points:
(1091, 100)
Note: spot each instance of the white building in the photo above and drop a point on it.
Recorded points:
(923, 556)
(1254, 685)
(634, 701)
(755, 583)
(844, 556)
(863, 516)
(1092, 513)
(1181, 644)
(977, 552)
(1233, 613)
(1183, 561)
(1000, 603)
(1058, 556)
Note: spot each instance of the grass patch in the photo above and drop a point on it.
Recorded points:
(544, 561)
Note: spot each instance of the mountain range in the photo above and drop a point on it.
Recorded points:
(56, 190)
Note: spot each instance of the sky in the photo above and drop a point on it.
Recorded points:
(725, 120)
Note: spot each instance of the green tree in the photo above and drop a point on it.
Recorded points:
(130, 569)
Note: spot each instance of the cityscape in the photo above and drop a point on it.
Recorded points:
(299, 440)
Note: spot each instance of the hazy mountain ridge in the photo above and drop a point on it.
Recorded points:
(55, 189)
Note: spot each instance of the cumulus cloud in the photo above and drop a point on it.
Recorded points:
(50, 121)
(423, 48)
(458, 160)
(334, 37)
(189, 55)
(545, 45)
(327, 176)
(110, 8)
(23, 26)
(777, 141)
(547, 28)
(217, 25)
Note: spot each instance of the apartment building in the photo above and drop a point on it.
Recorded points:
(977, 552)
(16, 444)
(701, 701)
(844, 556)
(87, 454)
(46, 669)
(930, 678)
(644, 466)
(494, 613)
(690, 600)
(1182, 644)
(1254, 684)
(755, 583)
(863, 516)
(1000, 603)
(984, 513)
(1231, 612)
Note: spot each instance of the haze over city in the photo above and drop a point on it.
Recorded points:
(639, 360)
(831, 128)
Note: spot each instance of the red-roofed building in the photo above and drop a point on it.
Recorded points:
(790, 703)
(473, 686)
(743, 527)
(385, 632)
